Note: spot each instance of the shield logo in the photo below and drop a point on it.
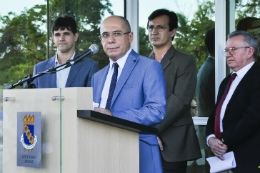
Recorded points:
(28, 138)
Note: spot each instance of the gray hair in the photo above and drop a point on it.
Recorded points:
(249, 39)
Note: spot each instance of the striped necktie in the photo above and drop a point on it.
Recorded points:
(112, 86)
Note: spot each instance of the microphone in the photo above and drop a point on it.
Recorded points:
(93, 49)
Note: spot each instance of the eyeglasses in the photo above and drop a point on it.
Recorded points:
(115, 35)
(231, 50)
(159, 28)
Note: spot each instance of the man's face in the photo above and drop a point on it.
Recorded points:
(117, 47)
(163, 37)
(64, 40)
(240, 57)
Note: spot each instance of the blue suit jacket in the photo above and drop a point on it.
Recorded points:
(79, 76)
(139, 96)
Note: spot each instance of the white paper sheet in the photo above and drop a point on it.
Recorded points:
(217, 165)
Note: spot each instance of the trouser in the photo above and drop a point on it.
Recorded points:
(226, 171)
(174, 167)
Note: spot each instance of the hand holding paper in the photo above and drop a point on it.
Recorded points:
(217, 165)
(217, 147)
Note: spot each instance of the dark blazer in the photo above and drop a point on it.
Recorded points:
(79, 76)
(205, 96)
(241, 122)
(177, 130)
(205, 90)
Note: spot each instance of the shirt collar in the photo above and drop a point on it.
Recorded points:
(56, 58)
(241, 73)
(211, 57)
(120, 61)
(162, 56)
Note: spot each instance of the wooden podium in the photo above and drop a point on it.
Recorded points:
(74, 138)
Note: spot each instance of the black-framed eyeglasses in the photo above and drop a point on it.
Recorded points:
(116, 35)
(159, 28)
(231, 50)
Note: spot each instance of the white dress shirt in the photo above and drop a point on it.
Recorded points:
(62, 76)
(240, 74)
(105, 91)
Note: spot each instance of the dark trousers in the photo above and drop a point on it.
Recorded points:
(174, 167)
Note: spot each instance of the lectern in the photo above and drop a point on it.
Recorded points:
(74, 139)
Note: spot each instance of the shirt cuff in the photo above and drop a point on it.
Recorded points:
(95, 105)
(212, 135)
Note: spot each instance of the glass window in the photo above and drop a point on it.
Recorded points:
(247, 18)
(1, 129)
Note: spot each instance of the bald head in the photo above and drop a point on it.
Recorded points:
(116, 37)
(124, 22)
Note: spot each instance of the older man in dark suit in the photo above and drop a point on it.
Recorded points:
(177, 137)
(234, 125)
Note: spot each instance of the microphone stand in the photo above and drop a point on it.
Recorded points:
(26, 82)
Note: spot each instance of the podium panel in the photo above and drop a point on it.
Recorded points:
(32, 100)
(69, 143)
(1, 130)
(99, 148)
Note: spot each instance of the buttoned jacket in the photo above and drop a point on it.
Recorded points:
(177, 130)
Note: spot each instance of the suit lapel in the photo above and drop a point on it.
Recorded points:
(130, 63)
(73, 72)
(241, 85)
(102, 82)
(166, 61)
(52, 78)
(222, 89)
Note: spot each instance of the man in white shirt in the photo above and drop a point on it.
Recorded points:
(131, 87)
(234, 124)
(65, 35)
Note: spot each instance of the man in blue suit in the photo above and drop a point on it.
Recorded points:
(64, 35)
(131, 87)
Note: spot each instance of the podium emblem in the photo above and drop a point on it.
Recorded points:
(28, 138)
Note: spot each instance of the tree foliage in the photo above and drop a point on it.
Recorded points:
(191, 34)
(22, 43)
(247, 8)
(145, 47)
(24, 37)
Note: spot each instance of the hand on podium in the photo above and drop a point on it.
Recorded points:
(103, 111)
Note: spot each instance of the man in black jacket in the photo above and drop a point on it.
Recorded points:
(234, 125)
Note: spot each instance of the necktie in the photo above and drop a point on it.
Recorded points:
(112, 86)
(218, 110)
